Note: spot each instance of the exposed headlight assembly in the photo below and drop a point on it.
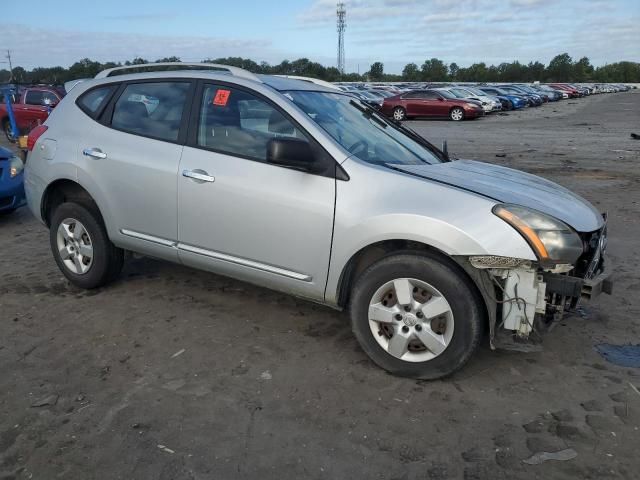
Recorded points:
(16, 166)
(553, 241)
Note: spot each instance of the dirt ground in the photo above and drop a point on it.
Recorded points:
(172, 373)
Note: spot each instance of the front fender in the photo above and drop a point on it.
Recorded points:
(451, 220)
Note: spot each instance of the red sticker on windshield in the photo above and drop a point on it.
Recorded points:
(221, 98)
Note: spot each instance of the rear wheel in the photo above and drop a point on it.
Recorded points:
(456, 114)
(399, 114)
(416, 316)
(81, 247)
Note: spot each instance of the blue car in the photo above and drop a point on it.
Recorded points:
(517, 100)
(11, 181)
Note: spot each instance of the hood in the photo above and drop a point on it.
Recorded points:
(507, 185)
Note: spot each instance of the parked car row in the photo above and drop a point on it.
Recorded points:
(465, 101)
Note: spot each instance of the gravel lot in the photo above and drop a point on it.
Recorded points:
(172, 373)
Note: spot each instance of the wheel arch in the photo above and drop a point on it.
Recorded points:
(372, 253)
(65, 190)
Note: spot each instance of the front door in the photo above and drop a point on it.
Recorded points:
(241, 216)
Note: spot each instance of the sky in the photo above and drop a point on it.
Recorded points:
(394, 32)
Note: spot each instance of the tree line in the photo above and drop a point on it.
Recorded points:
(562, 68)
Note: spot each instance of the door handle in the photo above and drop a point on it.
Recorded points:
(198, 176)
(94, 153)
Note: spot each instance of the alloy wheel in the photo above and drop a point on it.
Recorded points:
(74, 246)
(398, 114)
(411, 320)
(457, 114)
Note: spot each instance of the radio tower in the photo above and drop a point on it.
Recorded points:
(342, 24)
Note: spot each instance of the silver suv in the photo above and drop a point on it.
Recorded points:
(304, 189)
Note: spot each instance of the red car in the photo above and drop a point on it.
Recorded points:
(430, 103)
(572, 92)
(31, 108)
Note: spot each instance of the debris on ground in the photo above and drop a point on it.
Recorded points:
(635, 136)
(166, 449)
(178, 353)
(49, 400)
(501, 155)
(540, 457)
(621, 355)
(266, 375)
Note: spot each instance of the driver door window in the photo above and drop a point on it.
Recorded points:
(235, 122)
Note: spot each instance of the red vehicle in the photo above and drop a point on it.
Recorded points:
(430, 103)
(572, 92)
(31, 107)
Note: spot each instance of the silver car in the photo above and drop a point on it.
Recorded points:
(303, 189)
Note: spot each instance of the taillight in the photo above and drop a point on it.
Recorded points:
(34, 135)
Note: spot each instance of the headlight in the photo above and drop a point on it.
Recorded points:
(553, 241)
(15, 166)
(471, 105)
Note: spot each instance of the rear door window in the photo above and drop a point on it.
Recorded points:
(151, 109)
(34, 97)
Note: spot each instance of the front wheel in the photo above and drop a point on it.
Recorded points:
(81, 246)
(416, 315)
(456, 114)
(399, 114)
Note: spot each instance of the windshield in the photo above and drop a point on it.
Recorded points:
(475, 91)
(365, 133)
(459, 93)
(446, 94)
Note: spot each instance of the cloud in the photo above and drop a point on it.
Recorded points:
(64, 47)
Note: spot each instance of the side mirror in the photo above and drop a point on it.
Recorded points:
(292, 153)
(440, 99)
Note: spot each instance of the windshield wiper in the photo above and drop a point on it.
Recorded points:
(369, 113)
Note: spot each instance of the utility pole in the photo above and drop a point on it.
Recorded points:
(10, 66)
(341, 13)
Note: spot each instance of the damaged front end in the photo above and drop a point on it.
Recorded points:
(525, 298)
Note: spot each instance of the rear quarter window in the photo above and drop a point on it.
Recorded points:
(91, 101)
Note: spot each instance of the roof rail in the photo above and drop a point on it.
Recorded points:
(236, 71)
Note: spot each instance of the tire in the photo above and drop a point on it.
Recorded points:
(456, 114)
(106, 260)
(6, 126)
(458, 331)
(399, 114)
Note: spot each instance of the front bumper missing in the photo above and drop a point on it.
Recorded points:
(578, 288)
(534, 301)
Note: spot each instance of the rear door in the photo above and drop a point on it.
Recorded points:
(132, 156)
(241, 216)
